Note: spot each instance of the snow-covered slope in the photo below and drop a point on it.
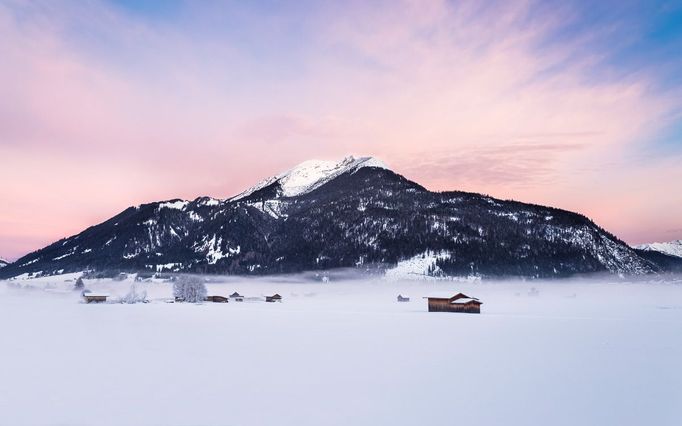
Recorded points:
(312, 174)
(3, 262)
(422, 266)
(672, 248)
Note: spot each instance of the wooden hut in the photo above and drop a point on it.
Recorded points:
(460, 302)
(402, 298)
(216, 299)
(95, 297)
(236, 297)
(273, 298)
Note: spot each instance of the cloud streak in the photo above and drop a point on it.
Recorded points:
(518, 164)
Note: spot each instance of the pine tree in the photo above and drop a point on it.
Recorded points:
(79, 284)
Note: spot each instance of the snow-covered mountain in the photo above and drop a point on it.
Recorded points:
(354, 213)
(672, 248)
(3, 262)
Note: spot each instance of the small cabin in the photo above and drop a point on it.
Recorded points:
(236, 297)
(460, 302)
(216, 299)
(273, 298)
(95, 297)
(402, 298)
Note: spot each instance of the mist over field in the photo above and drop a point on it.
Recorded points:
(592, 351)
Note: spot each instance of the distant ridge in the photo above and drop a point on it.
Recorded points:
(671, 248)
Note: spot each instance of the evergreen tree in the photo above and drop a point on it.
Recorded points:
(79, 284)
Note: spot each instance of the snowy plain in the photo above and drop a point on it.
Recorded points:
(599, 352)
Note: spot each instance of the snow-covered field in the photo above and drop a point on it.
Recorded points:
(343, 353)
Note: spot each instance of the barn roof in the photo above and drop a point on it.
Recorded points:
(235, 294)
(465, 300)
(445, 295)
(461, 298)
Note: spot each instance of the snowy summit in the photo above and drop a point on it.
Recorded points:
(312, 174)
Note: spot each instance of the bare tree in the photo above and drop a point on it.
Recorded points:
(189, 289)
(135, 296)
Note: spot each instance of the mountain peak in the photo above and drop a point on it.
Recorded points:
(312, 174)
(672, 248)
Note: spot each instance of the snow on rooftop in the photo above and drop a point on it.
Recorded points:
(464, 301)
(446, 295)
(312, 174)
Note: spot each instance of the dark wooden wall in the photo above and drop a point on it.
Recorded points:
(444, 305)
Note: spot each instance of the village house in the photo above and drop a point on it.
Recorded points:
(216, 299)
(402, 298)
(95, 297)
(460, 302)
(273, 298)
(236, 297)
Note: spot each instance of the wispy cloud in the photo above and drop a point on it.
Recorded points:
(515, 164)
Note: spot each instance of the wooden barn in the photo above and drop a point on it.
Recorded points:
(273, 298)
(460, 302)
(95, 297)
(236, 297)
(216, 299)
(402, 298)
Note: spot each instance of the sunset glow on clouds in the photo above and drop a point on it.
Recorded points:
(106, 105)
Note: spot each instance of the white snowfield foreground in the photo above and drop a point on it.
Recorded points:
(343, 353)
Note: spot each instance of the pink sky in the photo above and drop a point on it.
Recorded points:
(101, 109)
